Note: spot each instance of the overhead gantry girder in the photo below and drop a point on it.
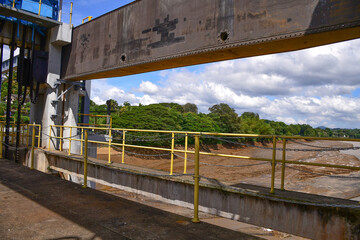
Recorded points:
(149, 35)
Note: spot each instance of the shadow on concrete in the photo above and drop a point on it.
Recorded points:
(105, 215)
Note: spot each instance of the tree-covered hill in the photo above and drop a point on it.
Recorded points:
(221, 118)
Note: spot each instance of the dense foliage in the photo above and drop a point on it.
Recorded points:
(25, 109)
(221, 118)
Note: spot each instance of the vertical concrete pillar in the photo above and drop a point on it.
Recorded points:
(47, 110)
(71, 109)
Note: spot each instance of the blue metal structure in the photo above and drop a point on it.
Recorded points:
(49, 8)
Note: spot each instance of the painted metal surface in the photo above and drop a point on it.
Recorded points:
(149, 35)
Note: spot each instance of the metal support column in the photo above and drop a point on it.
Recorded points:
(20, 80)
(10, 81)
(85, 103)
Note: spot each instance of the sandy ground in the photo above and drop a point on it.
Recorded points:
(309, 179)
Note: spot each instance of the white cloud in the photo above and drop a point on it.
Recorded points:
(148, 87)
(101, 91)
(312, 86)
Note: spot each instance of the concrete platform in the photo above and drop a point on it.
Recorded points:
(34, 205)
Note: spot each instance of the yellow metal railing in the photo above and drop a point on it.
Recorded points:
(122, 144)
(24, 137)
(71, 12)
(39, 7)
(173, 150)
(24, 133)
(96, 117)
(87, 18)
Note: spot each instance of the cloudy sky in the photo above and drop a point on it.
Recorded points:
(318, 86)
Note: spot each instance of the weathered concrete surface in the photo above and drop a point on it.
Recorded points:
(34, 205)
(149, 35)
(306, 215)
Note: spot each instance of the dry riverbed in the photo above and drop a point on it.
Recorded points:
(326, 181)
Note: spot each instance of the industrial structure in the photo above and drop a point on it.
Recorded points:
(56, 60)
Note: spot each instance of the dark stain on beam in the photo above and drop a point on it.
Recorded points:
(164, 30)
(84, 41)
(256, 15)
(225, 19)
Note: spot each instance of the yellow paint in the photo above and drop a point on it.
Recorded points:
(172, 149)
(61, 138)
(39, 134)
(185, 153)
(85, 159)
(39, 7)
(109, 156)
(273, 166)
(32, 148)
(70, 142)
(49, 138)
(196, 180)
(71, 12)
(172, 153)
(81, 141)
(283, 165)
(87, 18)
(123, 148)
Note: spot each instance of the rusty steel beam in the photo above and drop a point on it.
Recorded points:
(149, 35)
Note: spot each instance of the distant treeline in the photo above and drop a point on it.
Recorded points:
(221, 118)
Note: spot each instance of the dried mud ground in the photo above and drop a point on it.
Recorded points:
(342, 183)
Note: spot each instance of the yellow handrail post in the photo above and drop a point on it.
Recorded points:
(70, 141)
(39, 7)
(88, 18)
(283, 165)
(39, 135)
(172, 153)
(1, 141)
(273, 165)
(123, 148)
(32, 148)
(82, 141)
(85, 159)
(27, 135)
(49, 138)
(71, 9)
(196, 180)
(61, 139)
(185, 154)
(13, 3)
(109, 157)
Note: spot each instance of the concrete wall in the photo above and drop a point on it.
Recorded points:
(283, 212)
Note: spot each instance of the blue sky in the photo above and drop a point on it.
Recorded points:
(318, 86)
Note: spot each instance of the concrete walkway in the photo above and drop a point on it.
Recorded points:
(34, 205)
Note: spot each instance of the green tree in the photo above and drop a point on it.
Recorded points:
(190, 107)
(225, 117)
(199, 123)
(252, 124)
(154, 117)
